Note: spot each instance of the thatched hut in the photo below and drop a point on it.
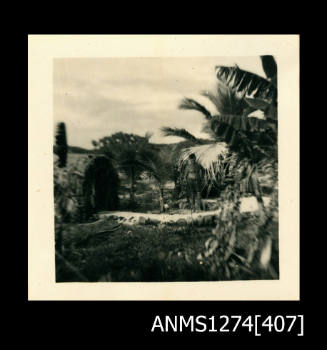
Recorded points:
(100, 185)
(90, 185)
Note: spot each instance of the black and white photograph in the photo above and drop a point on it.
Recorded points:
(166, 167)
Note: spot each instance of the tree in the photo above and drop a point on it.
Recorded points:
(155, 168)
(61, 150)
(130, 152)
(252, 139)
(61, 145)
(246, 121)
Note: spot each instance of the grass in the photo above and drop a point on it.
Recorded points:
(149, 253)
(137, 253)
(145, 253)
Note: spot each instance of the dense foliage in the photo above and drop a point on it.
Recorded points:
(252, 143)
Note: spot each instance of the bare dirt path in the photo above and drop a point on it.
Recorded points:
(134, 218)
(247, 205)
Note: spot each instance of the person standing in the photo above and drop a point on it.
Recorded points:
(193, 182)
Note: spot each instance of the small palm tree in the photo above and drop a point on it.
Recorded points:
(155, 168)
(132, 164)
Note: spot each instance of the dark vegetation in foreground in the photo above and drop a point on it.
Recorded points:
(151, 253)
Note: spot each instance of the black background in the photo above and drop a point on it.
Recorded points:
(88, 322)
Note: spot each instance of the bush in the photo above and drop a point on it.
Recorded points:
(244, 245)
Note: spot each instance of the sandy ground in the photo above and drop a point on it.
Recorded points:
(164, 217)
(248, 204)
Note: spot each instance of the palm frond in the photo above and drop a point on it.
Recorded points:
(228, 100)
(212, 158)
(247, 83)
(188, 103)
(206, 128)
(151, 169)
(257, 103)
(179, 133)
(270, 67)
(240, 123)
(242, 134)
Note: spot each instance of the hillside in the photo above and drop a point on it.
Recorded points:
(165, 148)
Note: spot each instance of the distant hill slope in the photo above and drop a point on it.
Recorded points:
(167, 149)
(75, 149)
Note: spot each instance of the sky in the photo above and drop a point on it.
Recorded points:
(97, 97)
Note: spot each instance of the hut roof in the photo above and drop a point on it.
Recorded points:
(78, 162)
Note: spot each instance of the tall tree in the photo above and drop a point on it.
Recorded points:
(156, 168)
(246, 120)
(254, 140)
(61, 145)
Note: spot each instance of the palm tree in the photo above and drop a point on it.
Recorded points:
(155, 168)
(254, 140)
(132, 164)
(246, 122)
